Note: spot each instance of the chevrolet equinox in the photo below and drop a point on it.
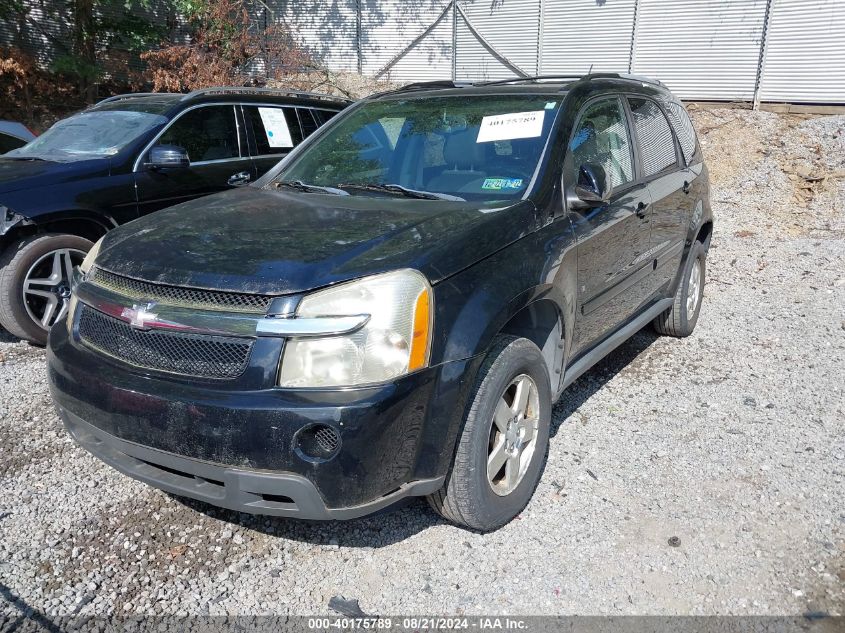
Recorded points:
(393, 310)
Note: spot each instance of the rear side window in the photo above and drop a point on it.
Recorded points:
(276, 130)
(207, 133)
(657, 146)
(684, 129)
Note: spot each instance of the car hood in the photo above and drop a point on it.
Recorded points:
(275, 242)
(30, 174)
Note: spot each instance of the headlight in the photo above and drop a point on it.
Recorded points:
(394, 341)
(88, 262)
(85, 268)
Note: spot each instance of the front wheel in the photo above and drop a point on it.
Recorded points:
(502, 449)
(680, 319)
(35, 277)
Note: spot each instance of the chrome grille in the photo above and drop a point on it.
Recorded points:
(188, 354)
(174, 295)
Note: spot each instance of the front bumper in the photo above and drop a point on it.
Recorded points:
(253, 491)
(234, 446)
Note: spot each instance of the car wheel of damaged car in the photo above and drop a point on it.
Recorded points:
(502, 449)
(35, 283)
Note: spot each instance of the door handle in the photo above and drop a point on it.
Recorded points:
(686, 186)
(241, 178)
(642, 207)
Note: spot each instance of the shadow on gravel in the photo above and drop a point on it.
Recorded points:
(27, 612)
(391, 525)
(583, 389)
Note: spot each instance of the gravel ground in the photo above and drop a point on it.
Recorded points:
(730, 440)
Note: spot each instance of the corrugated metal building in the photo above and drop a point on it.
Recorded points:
(725, 50)
(760, 50)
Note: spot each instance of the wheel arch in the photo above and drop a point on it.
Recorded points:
(89, 226)
(542, 323)
(536, 314)
(705, 233)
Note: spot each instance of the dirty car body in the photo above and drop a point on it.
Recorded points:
(234, 349)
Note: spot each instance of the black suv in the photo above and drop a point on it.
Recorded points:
(121, 159)
(394, 309)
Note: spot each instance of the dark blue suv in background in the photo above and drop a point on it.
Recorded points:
(125, 157)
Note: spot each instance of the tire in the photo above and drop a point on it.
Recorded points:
(468, 497)
(33, 258)
(680, 320)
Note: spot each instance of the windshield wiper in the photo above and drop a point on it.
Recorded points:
(301, 186)
(400, 190)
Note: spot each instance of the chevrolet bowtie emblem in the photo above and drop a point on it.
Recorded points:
(140, 315)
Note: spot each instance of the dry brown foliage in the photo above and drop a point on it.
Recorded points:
(225, 48)
(30, 94)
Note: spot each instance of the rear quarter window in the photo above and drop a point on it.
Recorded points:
(308, 121)
(684, 129)
(323, 116)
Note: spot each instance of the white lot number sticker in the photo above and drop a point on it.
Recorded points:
(504, 127)
(276, 127)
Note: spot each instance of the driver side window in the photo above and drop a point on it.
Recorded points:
(207, 133)
(602, 139)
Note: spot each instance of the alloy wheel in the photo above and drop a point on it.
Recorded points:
(694, 287)
(47, 286)
(513, 435)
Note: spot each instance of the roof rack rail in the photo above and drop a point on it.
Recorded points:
(245, 90)
(448, 83)
(537, 78)
(129, 95)
(641, 78)
(425, 85)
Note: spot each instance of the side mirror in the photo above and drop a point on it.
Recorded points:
(593, 185)
(167, 157)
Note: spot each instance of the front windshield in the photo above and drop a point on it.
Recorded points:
(482, 147)
(89, 135)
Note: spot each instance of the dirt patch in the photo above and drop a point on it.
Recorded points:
(788, 169)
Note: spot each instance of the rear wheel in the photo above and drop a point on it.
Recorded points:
(680, 319)
(35, 277)
(502, 449)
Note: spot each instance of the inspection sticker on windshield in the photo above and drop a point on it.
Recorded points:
(504, 127)
(502, 184)
(276, 127)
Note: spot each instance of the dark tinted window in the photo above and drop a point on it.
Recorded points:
(276, 129)
(657, 146)
(602, 139)
(309, 123)
(208, 133)
(323, 116)
(684, 129)
(8, 143)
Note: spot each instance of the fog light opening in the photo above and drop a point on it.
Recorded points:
(317, 443)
